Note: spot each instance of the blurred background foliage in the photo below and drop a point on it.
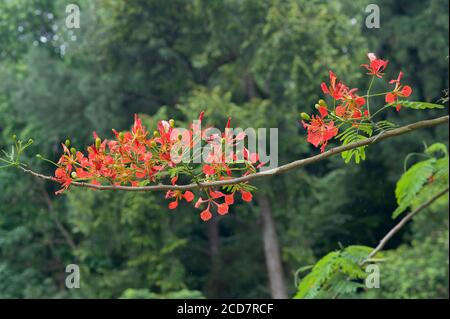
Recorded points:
(260, 62)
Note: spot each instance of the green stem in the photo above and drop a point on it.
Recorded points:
(383, 108)
(376, 94)
(368, 93)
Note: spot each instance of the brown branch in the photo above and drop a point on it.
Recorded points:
(402, 223)
(274, 171)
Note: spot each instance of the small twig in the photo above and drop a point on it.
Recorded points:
(402, 223)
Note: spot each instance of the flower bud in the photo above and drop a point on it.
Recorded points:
(155, 133)
(98, 142)
(121, 135)
(305, 116)
(14, 137)
(180, 136)
(172, 123)
(73, 150)
(317, 106)
(323, 103)
(153, 143)
(38, 156)
(73, 175)
(67, 143)
(30, 141)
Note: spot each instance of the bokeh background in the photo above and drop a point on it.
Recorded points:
(260, 61)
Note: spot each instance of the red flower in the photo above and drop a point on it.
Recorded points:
(399, 91)
(173, 205)
(351, 108)
(229, 199)
(63, 177)
(323, 111)
(336, 90)
(246, 196)
(376, 66)
(135, 158)
(208, 170)
(177, 195)
(206, 215)
(320, 132)
(222, 209)
(189, 196)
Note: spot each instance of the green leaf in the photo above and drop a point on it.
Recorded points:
(411, 182)
(436, 148)
(418, 105)
(334, 273)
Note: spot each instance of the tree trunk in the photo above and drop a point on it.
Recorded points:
(269, 233)
(272, 250)
(214, 284)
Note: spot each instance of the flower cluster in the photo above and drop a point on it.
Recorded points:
(137, 158)
(349, 107)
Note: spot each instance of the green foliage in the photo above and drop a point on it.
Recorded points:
(146, 294)
(384, 126)
(13, 158)
(351, 135)
(418, 105)
(128, 243)
(335, 274)
(422, 178)
(258, 61)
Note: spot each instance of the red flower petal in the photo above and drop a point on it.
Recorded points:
(323, 111)
(208, 170)
(246, 196)
(222, 209)
(357, 114)
(406, 91)
(140, 174)
(188, 196)
(173, 205)
(360, 101)
(390, 98)
(205, 215)
(229, 199)
(216, 194)
(340, 110)
(199, 202)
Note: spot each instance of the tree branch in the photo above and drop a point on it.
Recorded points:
(402, 223)
(274, 171)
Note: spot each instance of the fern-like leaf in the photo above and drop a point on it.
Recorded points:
(411, 183)
(418, 105)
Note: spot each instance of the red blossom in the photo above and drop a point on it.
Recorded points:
(336, 89)
(246, 196)
(320, 131)
(136, 158)
(205, 215)
(399, 91)
(376, 66)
